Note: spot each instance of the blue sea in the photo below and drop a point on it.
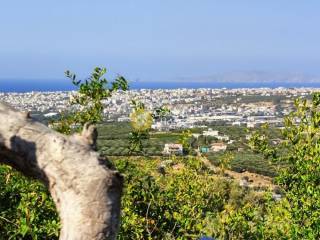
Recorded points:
(56, 85)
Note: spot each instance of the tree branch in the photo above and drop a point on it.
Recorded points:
(86, 193)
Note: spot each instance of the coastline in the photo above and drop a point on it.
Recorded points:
(52, 86)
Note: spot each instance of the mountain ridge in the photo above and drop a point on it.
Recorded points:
(254, 77)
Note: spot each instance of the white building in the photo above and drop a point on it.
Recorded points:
(223, 138)
(251, 124)
(217, 147)
(211, 133)
(173, 148)
(236, 123)
(123, 119)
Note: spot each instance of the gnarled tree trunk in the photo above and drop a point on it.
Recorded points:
(86, 193)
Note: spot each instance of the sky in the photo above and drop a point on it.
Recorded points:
(157, 40)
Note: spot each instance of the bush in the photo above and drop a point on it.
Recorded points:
(27, 210)
(177, 204)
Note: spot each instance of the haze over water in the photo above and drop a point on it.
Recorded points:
(32, 85)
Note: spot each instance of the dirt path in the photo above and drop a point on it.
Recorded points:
(246, 178)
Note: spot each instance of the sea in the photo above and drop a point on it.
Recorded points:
(56, 85)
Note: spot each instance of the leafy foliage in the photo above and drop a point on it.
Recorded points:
(141, 121)
(88, 99)
(224, 161)
(299, 176)
(185, 141)
(26, 208)
(161, 113)
(178, 205)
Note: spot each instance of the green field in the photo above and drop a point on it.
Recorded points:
(247, 161)
(113, 140)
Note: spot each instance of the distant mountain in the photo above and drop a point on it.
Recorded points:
(255, 77)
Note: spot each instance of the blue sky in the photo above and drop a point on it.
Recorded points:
(157, 40)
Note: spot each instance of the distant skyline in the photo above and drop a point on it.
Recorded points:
(163, 40)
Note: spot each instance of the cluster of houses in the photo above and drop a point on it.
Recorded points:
(214, 147)
(177, 149)
(217, 146)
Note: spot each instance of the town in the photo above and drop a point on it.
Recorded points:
(188, 107)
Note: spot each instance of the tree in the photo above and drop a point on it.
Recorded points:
(224, 162)
(86, 192)
(141, 121)
(88, 100)
(299, 175)
(161, 113)
(185, 140)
